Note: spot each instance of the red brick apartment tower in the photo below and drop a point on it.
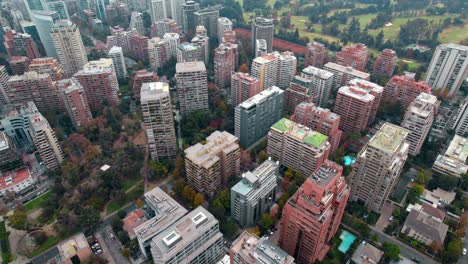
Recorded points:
(353, 56)
(139, 47)
(19, 64)
(385, 64)
(404, 89)
(315, 54)
(243, 86)
(321, 120)
(140, 77)
(311, 217)
(49, 66)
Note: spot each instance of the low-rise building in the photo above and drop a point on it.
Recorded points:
(366, 254)
(75, 249)
(132, 221)
(453, 162)
(425, 227)
(437, 197)
(16, 181)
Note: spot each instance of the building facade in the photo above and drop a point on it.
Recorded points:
(158, 53)
(300, 90)
(403, 90)
(315, 55)
(140, 77)
(286, 68)
(225, 62)
(49, 66)
(224, 24)
(192, 87)
(342, 74)
(353, 56)
(384, 65)
(75, 101)
(116, 54)
(322, 83)
(265, 70)
(243, 86)
(263, 28)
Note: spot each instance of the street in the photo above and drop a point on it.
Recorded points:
(464, 259)
(405, 250)
(111, 247)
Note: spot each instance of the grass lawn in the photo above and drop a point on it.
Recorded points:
(127, 184)
(51, 241)
(5, 249)
(453, 34)
(37, 202)
(124, 89)
(130, 196)
(113, 206)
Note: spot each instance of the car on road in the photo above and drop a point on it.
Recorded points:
(464, 252)
(416, 260)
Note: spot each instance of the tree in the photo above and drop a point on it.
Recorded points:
(423, 177)
(18, 220)
(391, 252)
(198, 200)
(414, 193)
(265, 222)
(126, 252)
(159, 170)
(122, 214)
(289, 173)
(244, 68)
(262, 156)
(452, 252)
(228, 228)
(217, 209)
(88, 219)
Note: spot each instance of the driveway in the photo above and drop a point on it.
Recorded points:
(383, 221)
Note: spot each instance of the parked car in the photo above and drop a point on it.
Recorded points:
(416, 260)
(464, 252)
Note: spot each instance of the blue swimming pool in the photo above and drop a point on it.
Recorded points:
(348, 240)
(348, 160)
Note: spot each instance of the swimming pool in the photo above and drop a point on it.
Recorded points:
(348, 240)
(348, 160)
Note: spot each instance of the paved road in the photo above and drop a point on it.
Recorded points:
(111, 246)
(405, 250)
(45, 256)
(464, 259)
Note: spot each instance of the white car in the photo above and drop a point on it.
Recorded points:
(464, 251)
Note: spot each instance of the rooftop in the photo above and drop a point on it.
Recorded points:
(301, 132)
(356, 93)
(348, 70)
(325, 174)
(426, 225)
(458, 149)
(153, 91)
(316, 72)
(14, 178)
(133, 220)
(167, 211)
(192, 66)
(253, 180)
(77, 245)
(366, 85)
(265, 58)
(260, 97)
(96, 66)
(424, 105)
(367, 254)
(3, 141)
(389, 138)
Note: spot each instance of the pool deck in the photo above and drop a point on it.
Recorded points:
(348, 240)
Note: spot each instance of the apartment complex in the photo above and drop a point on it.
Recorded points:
(300, 90)
(418, 120)
(224, 24)
(263, 28)
(384, 65)
(243, 86)
(208, 17)
(254, 194)
(315, 55)
(140, 77)
(342, 74)
(403, 90)
(158, 53)
(265, 69)
(322, 83)
(453, 162)
(249, 248)
(261, 47)
(116, 54)
(194, 238)
(353, 56)
(226, 58)
(286, 68)
(254, 117)
(10, 155)
(19, 44)
(188, 10)
(312, 216)
(75, 101)
(297, 146)
(4, 77)
(192, 87)
(378, 166)
(202, 40)
(321, 120)
(99, 81)
(32, 86)
(173, 40)
(460, 125)
(161, 27)
(187, 52)
(158, 120)
(136, 22)
(69, 46)
(138, 46)
(48, 66)
(14, 121)
(45, 141)
(212, 164)
(448, 68)
(19, 64)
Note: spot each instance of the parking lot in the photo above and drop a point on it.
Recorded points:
(383, 221)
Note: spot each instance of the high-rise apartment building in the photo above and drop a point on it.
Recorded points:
(116, 54)
(75, 101)
(30, 28)
(212, 164)
(60, 7)
(136, 22)
(224, 24)
(140, 77)
(167, 25)
(261, 47)
(263, 28)
(342, 74)
(192, 87)
(173, 40)
(158, 53)
(321, 120)
(353, 56)
(14, 121)
(265, 69)
(10, 155)
(138, 45)
(99, 81)
(202, 40)
(39, 88)
(19, 64)
(49, 66)
(69, 46)
(355, 106)
(208, 17)
(418, 120)
(384, 65)
(194, 238)
(460, 125)
(249, 248)
(19, 44)
(188, 16)
(4, 77)
(157, 10)
(286, 68)
(372, 88)
(453, 161)
(300, 90)
(403, 90)
(243, 86)
(378, 167)
(254, 116)
(187, 52)
(230, 37)
(44, 21)
(226, 58)
(45, 141)
(448, 68)
(322, 83)
(158, 120)
(254, 194)
(312, 216)
(297, 146)
(315, 54)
